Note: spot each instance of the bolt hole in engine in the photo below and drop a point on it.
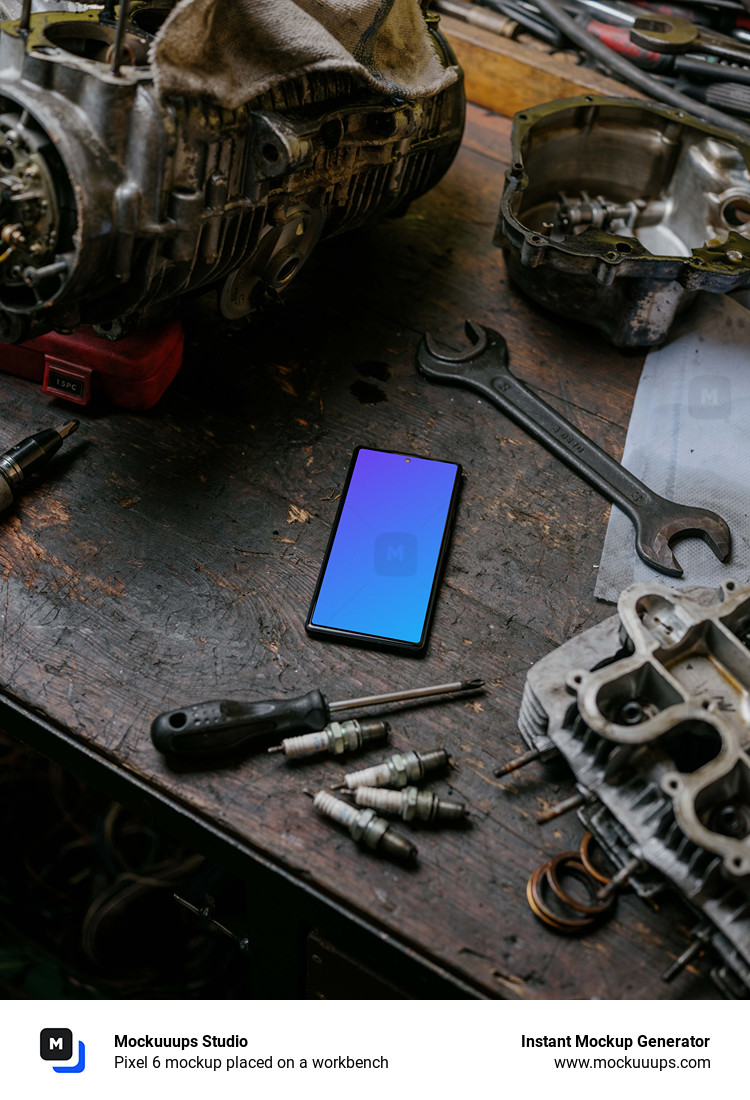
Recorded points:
(288, 269)
(724, 805)
(632, 713)
(632, 698)
(331, 133)
(662, 619)
(736, 212)
(671, 190)
(691, 746)
(150, 19)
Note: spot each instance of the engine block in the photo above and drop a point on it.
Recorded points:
(114, 200)
(651, 710)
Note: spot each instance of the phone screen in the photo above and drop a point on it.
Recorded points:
(379, 578)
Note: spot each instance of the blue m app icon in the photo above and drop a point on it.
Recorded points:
(396, 554)
(56, 1045)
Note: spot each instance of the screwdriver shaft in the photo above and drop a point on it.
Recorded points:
(411, 693)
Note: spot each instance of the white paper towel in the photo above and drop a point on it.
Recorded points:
(689, 440)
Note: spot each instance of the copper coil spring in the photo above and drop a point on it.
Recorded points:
(569, 915)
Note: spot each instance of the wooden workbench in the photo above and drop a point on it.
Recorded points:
(170, 557)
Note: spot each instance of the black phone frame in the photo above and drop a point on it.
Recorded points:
(374, 641)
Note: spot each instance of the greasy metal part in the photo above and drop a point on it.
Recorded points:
(621, 879)
(411, 804)
(119, 43)
(336, 738)
(668, 215)
(366, 828)
(569, 916)
(659, 523)
(400, 770)
(699, 943)
(585, 854)
(667, 780)
(561, 808)
(115, 202)
(519, 762)
(569, 863)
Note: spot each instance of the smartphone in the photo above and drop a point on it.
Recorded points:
(380, 575)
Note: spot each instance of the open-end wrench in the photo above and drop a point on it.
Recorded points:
(672, 34)
(658, 522)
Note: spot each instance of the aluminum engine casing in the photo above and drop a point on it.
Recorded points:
(115, 201)
(651, 710)
(616, 212)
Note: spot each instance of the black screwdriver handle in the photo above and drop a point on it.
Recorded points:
(209, 729)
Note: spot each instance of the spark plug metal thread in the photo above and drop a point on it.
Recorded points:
(366, 828)
(411, 804)
(336, 738)
(399, 770)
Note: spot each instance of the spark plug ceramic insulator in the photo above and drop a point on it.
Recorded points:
(336, 738)
(411, 804)
(366, 828)
(399, 770)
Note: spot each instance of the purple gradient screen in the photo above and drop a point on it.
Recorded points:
(381, 567)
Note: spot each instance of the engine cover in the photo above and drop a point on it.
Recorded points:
(617, 212)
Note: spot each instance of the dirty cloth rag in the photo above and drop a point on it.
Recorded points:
(235, 50)
(689, 440)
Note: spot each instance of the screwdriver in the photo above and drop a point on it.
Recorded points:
(222, 725)
(27, 457)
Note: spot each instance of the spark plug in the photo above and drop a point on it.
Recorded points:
(28, 456)
(366, 828)
(399, 770)
(411, 804)
(336, 738)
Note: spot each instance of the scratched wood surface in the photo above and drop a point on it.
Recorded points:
(172, 556)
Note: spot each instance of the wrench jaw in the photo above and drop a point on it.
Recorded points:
(662, 34)
(654, 542)
(485, 344)
(659, 523)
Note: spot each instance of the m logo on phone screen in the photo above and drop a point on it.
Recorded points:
(56, 1045)
(396, 554)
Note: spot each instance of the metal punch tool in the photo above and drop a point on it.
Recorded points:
(658, 522)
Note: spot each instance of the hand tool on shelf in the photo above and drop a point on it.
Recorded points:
(658, 522)
(29, 456)
(223, 725)
(672, 35)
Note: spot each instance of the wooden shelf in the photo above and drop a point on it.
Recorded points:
(506, 76)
